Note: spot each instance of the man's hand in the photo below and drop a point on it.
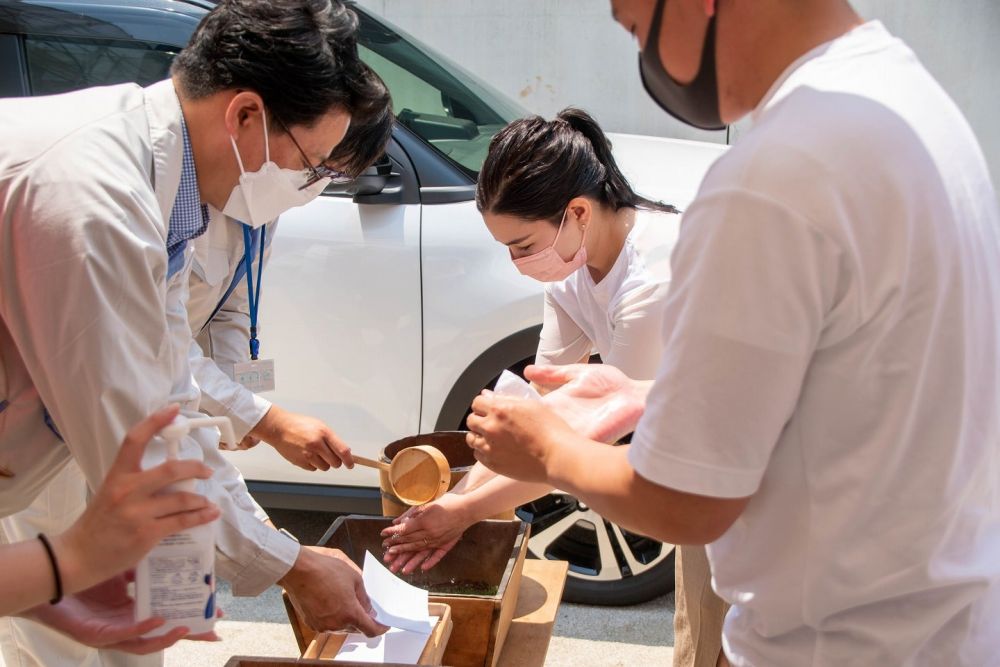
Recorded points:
(104, 617)
(305, 441)
(326, 588)
(598, 401)
(517, 437)
(248, 442)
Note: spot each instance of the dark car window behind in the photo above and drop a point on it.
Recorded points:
(71, 45)
(438, 100)
(61, 64)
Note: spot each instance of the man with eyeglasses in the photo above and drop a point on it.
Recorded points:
(100, 193)
(229, 260)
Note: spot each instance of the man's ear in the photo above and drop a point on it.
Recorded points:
(241, 110)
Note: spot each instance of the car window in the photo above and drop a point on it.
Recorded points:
(435, 98)
(60, 64)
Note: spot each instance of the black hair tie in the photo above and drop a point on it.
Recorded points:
(55, 568)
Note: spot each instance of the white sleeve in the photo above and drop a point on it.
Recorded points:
(223, 342)
(562, 341)
(637, 335)
(103, 343)
(752, 283)
(88, 313)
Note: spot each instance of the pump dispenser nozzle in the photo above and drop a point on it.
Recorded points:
(176, 430)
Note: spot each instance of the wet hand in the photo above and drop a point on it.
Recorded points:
(423, 535)
(596, 400)
(516, 437)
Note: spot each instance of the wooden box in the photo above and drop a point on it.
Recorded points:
(490, 557)
(325, 645)
(251, 661)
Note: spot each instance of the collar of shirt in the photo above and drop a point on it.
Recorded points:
(189, 217)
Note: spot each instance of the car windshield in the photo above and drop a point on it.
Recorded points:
(435, 98)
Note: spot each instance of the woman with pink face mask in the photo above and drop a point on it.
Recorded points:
(552, 193)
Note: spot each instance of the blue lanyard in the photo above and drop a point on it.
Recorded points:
(253, 294)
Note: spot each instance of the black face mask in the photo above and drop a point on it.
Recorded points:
(697, 103)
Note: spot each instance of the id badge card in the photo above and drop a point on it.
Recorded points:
(257, 376)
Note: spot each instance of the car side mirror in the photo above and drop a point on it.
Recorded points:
(373, 181)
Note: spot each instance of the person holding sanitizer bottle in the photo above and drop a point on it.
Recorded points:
(54, 577)
(101, 192)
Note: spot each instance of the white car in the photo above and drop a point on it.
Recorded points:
(387, 305)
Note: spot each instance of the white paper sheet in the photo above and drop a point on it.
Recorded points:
(396, 645)
(396, 603)
(512, 385)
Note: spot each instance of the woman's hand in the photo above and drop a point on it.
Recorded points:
(131, 512)
(423, 535)
(104, 617)
(597, 400)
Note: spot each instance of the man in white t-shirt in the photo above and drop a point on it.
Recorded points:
(826, 412)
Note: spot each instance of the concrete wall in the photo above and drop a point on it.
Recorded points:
(549, 54)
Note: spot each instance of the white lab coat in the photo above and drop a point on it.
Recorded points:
(90, 329)
(222, 342)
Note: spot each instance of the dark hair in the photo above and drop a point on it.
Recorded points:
(300, 56)
(366, 138)
(535, 166)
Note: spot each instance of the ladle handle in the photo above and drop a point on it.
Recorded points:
(371, 463)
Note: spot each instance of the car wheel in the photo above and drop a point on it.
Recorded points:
(607, 564)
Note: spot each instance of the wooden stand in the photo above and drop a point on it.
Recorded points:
(542, 583)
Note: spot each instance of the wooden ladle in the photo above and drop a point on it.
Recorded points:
(417, 474)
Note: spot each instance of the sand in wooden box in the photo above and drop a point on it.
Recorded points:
(479, 579)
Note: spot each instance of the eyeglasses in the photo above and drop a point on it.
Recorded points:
(320, 171)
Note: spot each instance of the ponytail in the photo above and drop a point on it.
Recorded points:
(534, 167)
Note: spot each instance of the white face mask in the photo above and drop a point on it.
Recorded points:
(263, 195)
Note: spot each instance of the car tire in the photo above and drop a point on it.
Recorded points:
(608, 566)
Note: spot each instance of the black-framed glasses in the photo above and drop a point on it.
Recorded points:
(318, 172)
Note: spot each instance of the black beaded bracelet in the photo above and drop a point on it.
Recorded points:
(55, 568)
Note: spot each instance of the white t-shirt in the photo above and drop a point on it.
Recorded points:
(832, 350)
(621, 316)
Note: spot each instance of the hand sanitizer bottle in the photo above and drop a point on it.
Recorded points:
(176, 580)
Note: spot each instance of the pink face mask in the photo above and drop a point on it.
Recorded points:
(547, 266)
